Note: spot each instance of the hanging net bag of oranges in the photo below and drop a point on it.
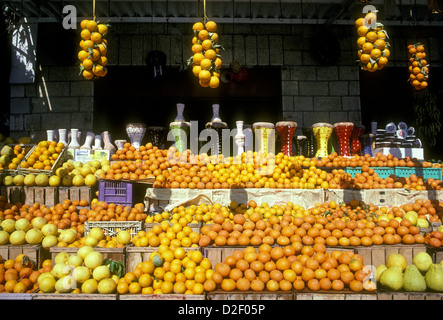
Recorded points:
(418, 66)
(373, 52)
(206, 59)
(94, 46)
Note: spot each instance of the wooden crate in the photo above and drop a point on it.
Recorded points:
(42, 195)
(410, 296)
(378, 254)
(250, 295)
(435, 253)
(117, 254)
(161, 297)
(13, 194)
(73, 296)
(334, 295)
(135, 255)
(76, 193)
(35, 252)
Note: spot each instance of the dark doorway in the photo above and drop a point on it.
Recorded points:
(130, 94)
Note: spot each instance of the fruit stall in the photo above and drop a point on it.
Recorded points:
(291, 206)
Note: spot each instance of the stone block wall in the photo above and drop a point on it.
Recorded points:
(58, 99)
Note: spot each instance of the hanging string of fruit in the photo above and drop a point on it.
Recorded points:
(427, 114)
(94, 46)
(418, 66)
(206, 60)
(373, 52)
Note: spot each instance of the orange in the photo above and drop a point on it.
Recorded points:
(122, 287)
(134, 288)
(211, 26)
(228, 285)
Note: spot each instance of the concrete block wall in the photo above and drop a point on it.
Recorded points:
(58, 99)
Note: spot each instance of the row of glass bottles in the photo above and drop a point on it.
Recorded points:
(72, 139)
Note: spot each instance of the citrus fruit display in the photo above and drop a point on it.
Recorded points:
(20, 275)
(169, 271)
(287, 268)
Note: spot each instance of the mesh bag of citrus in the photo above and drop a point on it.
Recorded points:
(206, 59)
(94, 46)
(373, 52)
(418, 66)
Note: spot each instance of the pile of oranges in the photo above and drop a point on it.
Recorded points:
(64, 215)
(292, 268)
(169, 271)
(104, 211)
(378, 160)
(418, 66)
(206, 213)
(206, 62)
(178, 234)
(373, 50)
(20, 275)
(144, 152)
(171, 169)
(312, 229)
(43, 156)
(94, 47)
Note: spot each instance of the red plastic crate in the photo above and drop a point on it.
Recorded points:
(118, 192)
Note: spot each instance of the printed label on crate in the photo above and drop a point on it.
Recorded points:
(83, 155)
(101, 155)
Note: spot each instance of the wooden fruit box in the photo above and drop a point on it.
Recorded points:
(378, 254)
(250, 295)
(35, 252)
(13, 194)
(435, 253)
(63, 157)
(76, 193)
(135, 255)
(42, 195)
(73, 296)
(410, 296)
(334, 295)
(196, 227)
(117, 254)
(161, 297)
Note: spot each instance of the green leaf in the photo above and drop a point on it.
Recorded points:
(218, 46)
(81, 70)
